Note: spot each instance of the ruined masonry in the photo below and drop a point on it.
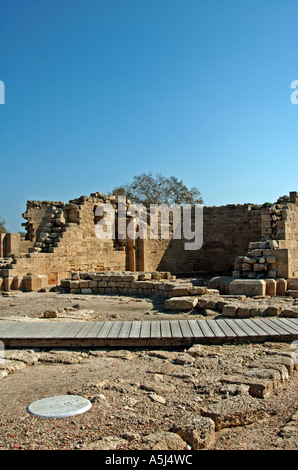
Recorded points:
(245, 248)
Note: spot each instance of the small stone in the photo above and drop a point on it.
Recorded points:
(157, 398)
(50, 314)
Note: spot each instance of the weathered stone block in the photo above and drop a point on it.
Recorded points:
(34, 282)
(84, 284)
(290, 312)
(243, 312)
(292, 284)
(248, 287)
(230, 310)
(292, 293)
(260, 267)
(198, 290)
(17, 283)
(271, 287)
(181, 303)
(235, 411)
(281, 287)
(180, 291)
(86, 290)
(196, 430)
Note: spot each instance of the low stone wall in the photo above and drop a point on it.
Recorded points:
(146, 284)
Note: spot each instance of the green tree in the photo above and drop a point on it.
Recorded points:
(2, 226)
(147, 189)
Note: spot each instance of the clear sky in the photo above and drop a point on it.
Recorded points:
(97, 91)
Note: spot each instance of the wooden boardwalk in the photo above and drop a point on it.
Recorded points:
(163, 333)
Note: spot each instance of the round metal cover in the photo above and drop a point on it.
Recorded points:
(60, 406)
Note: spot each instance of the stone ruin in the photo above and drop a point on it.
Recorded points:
(247, 249)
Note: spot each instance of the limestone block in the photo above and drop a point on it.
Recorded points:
(84, 284)
(271, 259)
(196, 430)
(198, 290)
(293, 293)
(293, 284)
(230, 310)
(17, 282)
(7, 283)
(246, 267)
(260, 267)
(273, 311)
(208, 302)
(180, 291)
(248, 287)
(181, 303)
(34, 282)
(257, 311)
(235, 411)
(249, 260)
(273, 244)
(271, 287)
(74, 284)
(281, 287)
(243, 312)
(86, 290)
(145, 277)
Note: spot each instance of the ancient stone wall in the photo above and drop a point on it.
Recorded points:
(61, 239)
(227, 231)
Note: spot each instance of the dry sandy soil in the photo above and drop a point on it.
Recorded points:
(141, 399)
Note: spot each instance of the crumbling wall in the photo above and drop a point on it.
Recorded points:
(13, 243)
(275, 255)
(61, 239)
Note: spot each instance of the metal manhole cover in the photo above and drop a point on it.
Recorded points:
(60, 406)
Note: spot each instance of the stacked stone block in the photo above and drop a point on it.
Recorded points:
(259, 262)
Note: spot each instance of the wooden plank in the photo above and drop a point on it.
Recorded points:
(278, 327)
(18, 330)
(75, 330)
(6, 324)
(185, 328)
(216, 329)
(85, 330)
(94, 330)
(145, 329)
(293, 321)
(292, 327)
(208, 333)
(155, 329)
(165, 329)
(196, 330)
(176, 330)
(226, 328)
(41, 332)
(242, 327)
(262, 324)
(114, 331)
(135, 329)
(104, 331)
(125, 329)
(61, 330)
(261, 333)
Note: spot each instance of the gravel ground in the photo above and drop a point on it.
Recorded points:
(134, 393)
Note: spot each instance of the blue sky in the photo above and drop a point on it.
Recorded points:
(97, 91)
